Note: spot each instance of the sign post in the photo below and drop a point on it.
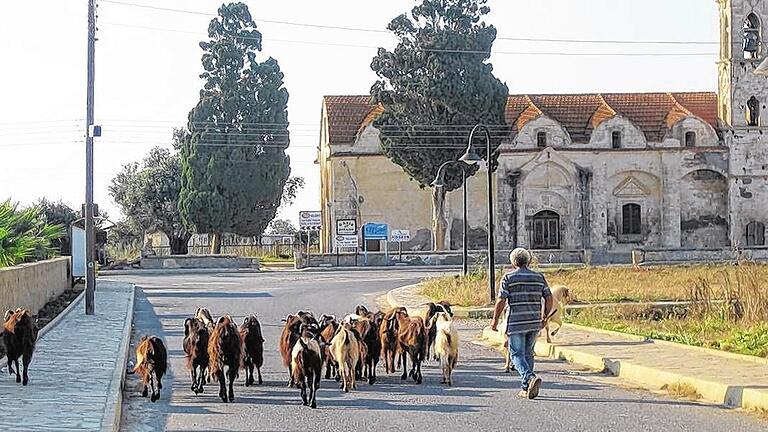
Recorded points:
(345, 230)
(400, 236)
(310, 221)
(375, 231)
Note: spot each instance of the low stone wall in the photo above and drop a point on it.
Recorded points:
(32, 285)
(701, 255)
(199, 262)
(444, 258)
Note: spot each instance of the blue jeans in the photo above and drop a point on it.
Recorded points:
(521, 353)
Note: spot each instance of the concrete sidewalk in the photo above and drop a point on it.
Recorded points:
(76, 373)
(724, 378)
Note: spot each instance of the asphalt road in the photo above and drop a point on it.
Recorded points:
(482, 398)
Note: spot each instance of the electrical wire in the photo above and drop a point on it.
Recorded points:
(447, 51)
(370, 30)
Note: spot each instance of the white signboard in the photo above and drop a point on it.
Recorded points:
(78, 252)
(346, 241)
(400, 236)
(310, 220)
(346, 226)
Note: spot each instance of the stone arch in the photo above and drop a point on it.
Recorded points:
(631, 135)
(704, 210)
(704, 133)
(557, 136)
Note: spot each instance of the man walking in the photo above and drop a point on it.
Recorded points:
(522, 290)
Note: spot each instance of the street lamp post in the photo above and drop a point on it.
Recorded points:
(471, 158)
(439, 183)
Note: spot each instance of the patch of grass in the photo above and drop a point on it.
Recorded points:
(606, 284)
(681, 390)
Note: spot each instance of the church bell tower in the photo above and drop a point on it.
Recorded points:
(742, 102)
(742, 95)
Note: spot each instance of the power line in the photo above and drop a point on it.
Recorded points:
(370, 30)
(448, 51)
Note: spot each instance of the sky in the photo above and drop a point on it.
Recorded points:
(148, 63)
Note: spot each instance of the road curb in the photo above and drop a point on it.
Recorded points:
(651, 378)
(156, 272)
(113, 411)
(732, 396)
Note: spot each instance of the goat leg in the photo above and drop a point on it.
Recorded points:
(314, 384)
(232, 372)
(259, 372)
(18, 371)
(145, 392)
(405, 366)
(155, 386)
(222, 385)
(193, 373)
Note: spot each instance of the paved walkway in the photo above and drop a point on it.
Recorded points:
(730, 379)
(75, 370)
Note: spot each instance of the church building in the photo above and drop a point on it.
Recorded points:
(608, 172)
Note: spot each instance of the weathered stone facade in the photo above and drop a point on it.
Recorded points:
(604, 172)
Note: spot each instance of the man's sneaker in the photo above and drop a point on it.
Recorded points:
(522, 394)
(533, 388)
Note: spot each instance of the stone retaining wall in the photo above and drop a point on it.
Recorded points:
(32, 285)
(199, 262)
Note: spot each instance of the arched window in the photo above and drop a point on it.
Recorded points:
(541, 139)
(753, 112)
(690, 139)
(616, 139)
(755, 234)
(630, 219)
(752, 37)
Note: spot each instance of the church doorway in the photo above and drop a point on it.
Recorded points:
(546, 230)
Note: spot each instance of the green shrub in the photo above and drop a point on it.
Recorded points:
(24, 235)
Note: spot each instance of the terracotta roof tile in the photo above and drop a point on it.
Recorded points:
(579, 114)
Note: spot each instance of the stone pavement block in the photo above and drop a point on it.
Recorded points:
(73, 368)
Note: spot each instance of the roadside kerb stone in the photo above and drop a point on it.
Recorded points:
(622, 364)
(113, 409)
(78, 361)
(733, 380)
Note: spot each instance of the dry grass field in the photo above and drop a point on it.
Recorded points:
(730, 309)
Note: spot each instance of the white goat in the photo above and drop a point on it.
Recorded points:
(446, 345)
(345, 350)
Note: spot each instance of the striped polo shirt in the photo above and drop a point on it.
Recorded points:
(523, 289)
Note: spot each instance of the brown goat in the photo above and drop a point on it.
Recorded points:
(19, 337)
(151, 364)
(253, 348)
(411, 340)
(328, 327)
(388, 330)
(288, 339)
(370, 347)
(196, 335)
(225, 350)
(306, 364)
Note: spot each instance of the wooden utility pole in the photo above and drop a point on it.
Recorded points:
(90, 244)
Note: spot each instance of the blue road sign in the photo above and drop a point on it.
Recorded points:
(376, 231)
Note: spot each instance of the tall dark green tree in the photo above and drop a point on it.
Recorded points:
(234, 164)
(434, 87)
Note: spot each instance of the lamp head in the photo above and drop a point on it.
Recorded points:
(470, 157)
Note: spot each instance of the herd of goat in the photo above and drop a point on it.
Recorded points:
(349, 349)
